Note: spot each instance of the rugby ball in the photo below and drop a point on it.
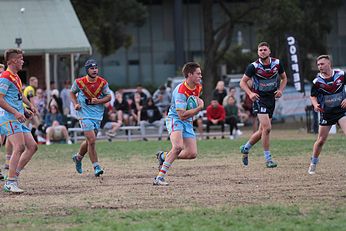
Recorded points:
(191, 102)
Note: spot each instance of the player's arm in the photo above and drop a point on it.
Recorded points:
(31, 105)
(4, 105)
(244, 85)
(315, 104)
(185, 114)
(105, 99)
(283, 83)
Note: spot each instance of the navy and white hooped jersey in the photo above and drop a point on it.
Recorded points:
(266, 78)
(330, 92)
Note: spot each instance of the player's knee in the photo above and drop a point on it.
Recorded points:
(33, 147)
(320, 141)
(193, 155)
(20, 148)
(178, 148)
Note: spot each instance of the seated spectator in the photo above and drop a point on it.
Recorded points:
(198, 123)
(130, 113)
(231, 110)
(119, 105)
(55, 131)
(215, 116)
(109, 121)
(220, 92)
(150, 116)
(56, 100)
(162, 99)
(139, 90)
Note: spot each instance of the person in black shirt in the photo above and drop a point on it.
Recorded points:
(268, 82)
(328, 97)
(150, 116)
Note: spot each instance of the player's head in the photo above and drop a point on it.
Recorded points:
(33, 81)
(14, 58)
(324, 63)
(193, 71)
(263, 50)
(91, 68)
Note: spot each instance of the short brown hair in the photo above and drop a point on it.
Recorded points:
(10, 52)
(190, 67)
(324, 57)
(261, 44)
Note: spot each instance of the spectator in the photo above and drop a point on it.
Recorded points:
(150, 116)
(2, 68)
(130, 115)
(215, 116)
(119, 105)
(220, 92)
(231, 92)
(110, 122)
(55, 130)
(65, 97)
(232, 112)
(139, 89)
(162, 99)
(55, 100)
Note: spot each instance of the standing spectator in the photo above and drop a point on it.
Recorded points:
(150, 116)
(55, 130)
(215, 116)
(220, 92)
(66, 98)
(232, 118)
(162, 99)
(30, 93)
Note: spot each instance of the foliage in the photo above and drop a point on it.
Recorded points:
(105, 21)
(304, 19)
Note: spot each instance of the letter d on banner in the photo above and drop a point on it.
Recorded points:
(293, 63)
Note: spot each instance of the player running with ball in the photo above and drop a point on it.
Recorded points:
(179, 121)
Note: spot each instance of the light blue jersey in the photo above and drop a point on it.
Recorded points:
(179, 102)
(89, 111)
(11, 95)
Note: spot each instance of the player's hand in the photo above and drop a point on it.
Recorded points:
(28, 113)
(20, 117)
(77, 106)
(94, 101)
(253, 96)
(318, 108)
(343, 104)
(200, 103)
(33, 109)
(278, 94)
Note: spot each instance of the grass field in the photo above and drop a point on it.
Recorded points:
(213, 192)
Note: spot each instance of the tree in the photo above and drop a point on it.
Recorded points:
(218, 37)
(308, 20)
(105, 21)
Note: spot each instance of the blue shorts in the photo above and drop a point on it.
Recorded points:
(90, 124)
(178, 125)
(11, 127)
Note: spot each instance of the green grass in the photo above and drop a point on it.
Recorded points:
(257, 217)
(269, 217)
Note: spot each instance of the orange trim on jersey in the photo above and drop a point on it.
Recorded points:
(187, 91)
(13, 78)
(89, 89)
